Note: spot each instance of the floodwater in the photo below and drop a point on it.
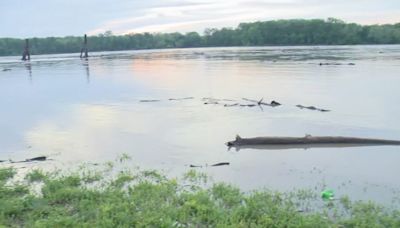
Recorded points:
(77, 111)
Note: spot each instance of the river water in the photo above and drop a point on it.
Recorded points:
(77, 111)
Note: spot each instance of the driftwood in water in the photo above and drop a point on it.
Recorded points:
(149, 100)
(231, 105)
(254, 103)
(6, 69)
(221, 164)
(216, 164)
(275, 103)
(301, 146)
(336, 64)
(40, 158)
(215, 99)
(211, 102)
(247, 105)
(170, 99)
(26, 55)
(308, 140)
(260, 102)
(312, 108)
(179, 99)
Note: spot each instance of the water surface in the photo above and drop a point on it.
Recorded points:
(89, 110)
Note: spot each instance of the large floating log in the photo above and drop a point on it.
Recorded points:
(307, 141)
(303, 146)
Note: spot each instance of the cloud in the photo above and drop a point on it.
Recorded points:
(199, 15)
(56, 17)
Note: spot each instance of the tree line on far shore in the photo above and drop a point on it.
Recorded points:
(278, 32)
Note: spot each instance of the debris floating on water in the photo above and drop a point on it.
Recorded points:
(231, 105)
(275, 103)
(336, 64)
(313, 108)
(150, 100)
(215, 101)
(328, 194)
(212, 102)
(214, 165)
(40, 158)
(248, 105)
(179, 99)
(234, 103)
(221, 164)
(260, 102)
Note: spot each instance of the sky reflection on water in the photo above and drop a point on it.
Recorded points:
(90, 110)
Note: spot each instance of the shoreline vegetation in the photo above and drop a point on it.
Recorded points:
(267, 33)
(113, 195)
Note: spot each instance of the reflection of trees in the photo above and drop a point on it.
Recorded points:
(85, 63)
(28, 67)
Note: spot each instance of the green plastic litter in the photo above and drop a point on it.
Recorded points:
(327, 194)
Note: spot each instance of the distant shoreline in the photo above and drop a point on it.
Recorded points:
(279, 33)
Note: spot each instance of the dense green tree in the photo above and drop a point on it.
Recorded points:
(279, 32)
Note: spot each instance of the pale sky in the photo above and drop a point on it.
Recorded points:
(43, 18)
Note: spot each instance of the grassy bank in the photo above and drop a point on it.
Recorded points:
(102, 197)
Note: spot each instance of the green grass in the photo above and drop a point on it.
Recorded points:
(101, 197)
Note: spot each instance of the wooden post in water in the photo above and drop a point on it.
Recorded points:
(84, 50)
(26, 55)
